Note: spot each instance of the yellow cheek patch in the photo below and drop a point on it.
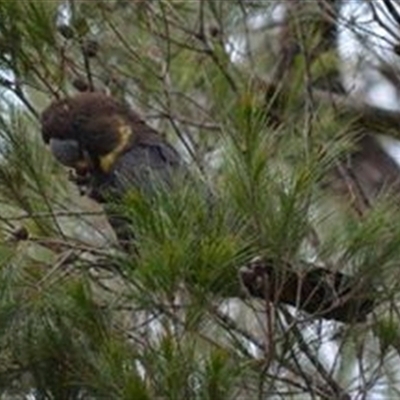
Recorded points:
(124, 135)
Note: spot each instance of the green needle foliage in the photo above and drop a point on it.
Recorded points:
(274, 173)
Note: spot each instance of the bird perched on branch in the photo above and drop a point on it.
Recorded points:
(320, 292)
(113, 151)
(110, 148)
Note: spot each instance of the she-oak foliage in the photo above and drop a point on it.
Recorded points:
(80, 318)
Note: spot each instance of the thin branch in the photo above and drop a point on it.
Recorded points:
(392, 10)
(338, 391)
(50, 215)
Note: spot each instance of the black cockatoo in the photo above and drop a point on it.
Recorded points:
(113, 151)
(110, 148)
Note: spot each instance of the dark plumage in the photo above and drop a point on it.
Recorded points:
(113, 151)
(110, 148)
(316, 290)
(104, 128)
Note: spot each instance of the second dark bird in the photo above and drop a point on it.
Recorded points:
(113, 151)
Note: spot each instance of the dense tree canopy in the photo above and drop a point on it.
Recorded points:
(277, 122)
